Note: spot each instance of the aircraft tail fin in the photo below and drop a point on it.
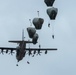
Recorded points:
(20, 41)
(23, 35)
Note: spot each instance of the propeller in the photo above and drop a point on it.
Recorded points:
(29, 52)
(6, 51)
(11, 52)
(2, 50)
(39, 52)
(34, 53)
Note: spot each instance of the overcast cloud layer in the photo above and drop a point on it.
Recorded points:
(15, 15)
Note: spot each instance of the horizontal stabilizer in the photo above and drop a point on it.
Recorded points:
(21, 41)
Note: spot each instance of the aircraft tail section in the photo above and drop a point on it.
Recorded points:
(23, 35)
(21, 41)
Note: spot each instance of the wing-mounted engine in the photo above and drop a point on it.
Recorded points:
(11, 52)
(2, 51)
(7, 50)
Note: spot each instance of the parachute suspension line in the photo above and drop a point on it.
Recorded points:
(39, 42)
(38, 13)
(29, 44)
(28, 59)
(30, 22)
(53, 31)
(28, 53)
(52, 27)
(49, 24)
(17, 64)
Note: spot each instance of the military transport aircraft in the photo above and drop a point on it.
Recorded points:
(21, 49)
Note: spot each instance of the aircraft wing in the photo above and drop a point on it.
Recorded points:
(10, 48)
(7, 48)
(39, 49)
(42, 49)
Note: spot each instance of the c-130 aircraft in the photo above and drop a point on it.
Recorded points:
(21, 49)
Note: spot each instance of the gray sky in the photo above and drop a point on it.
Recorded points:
(15, 15)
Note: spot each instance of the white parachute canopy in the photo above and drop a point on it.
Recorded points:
(49, 2)
(38, 22)
(31, 31)
(35, 38)
(52, 12)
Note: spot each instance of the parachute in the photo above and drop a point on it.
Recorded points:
(38, 22)
(52, 12)
(31, 31)
(49, 2)
(35, 38)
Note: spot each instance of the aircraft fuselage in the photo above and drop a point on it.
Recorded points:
(21, 51)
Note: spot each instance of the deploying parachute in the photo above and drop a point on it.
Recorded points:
(35, 38)
(38, 22)
(31, 31)
(52, 12)
(49, 2)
